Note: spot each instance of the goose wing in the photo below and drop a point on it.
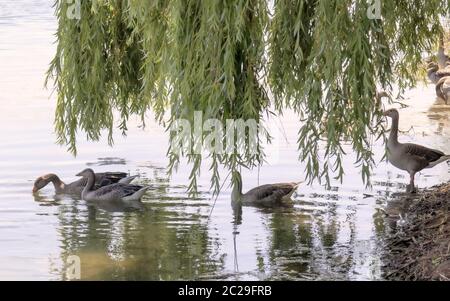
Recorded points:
(430, 155)
(108, 178)
(117, 190)
(101, 179)
(270, 193)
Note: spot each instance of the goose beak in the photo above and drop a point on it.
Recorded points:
(79, 174)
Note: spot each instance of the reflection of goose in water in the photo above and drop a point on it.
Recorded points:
(101, 179)
(410, 157)
(266, 195)
(117, 206)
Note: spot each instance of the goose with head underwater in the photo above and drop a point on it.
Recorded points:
(101, 179)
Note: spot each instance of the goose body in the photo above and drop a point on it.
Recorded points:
(408, 156)
(443, 88)
(117, 191)
(266, 195)
(101, 179)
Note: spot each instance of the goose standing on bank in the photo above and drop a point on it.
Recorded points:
(410, 157)
(266, 195)
(113, 192)
(101, 179)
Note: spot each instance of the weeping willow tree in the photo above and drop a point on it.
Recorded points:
(240, 59)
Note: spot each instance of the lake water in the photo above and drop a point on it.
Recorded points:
(326, 234)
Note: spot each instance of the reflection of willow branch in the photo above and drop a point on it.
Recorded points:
(237, 220)
(162, 251)
(349, 259)
(146, 244)
(236, 263)
(215, 199)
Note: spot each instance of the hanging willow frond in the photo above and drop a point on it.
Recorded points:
(323, 58)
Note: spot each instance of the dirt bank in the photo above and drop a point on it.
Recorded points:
(418, 247)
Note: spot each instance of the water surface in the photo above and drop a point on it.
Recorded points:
(326, 234)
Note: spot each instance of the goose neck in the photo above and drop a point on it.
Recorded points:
(57, 183)
(89, 185)
(393, 136)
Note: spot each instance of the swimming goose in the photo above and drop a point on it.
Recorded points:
(101, 179)
(443, 88)
(117, 191)
(265, 195)
(410, 157)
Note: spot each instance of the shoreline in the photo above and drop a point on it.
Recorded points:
(418, 245)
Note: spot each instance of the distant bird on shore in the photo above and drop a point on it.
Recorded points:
(410, 157)
(268, 195)
(434, 73)
(113, 192)
(101, 179)
(442, 59)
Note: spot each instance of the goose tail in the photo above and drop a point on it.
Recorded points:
(137, 195)
(296, 184)
(439, 161)
(127, 180)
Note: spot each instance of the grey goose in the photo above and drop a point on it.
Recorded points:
(408, 156)
(117, 191)
(266, 195)
(101, 179)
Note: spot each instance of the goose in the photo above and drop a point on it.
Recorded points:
(435, 74)
(117, 191)
(443, 88)
(266, 195)
(442, 58)
(101, 179)
(410, 157)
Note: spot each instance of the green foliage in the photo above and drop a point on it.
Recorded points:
(323, 58)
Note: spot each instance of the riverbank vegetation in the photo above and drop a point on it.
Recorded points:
(419, 246)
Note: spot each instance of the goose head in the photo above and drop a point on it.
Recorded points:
(432, 67)
(86, 173)
(392, 113)
(381, 94)
(43, 181)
